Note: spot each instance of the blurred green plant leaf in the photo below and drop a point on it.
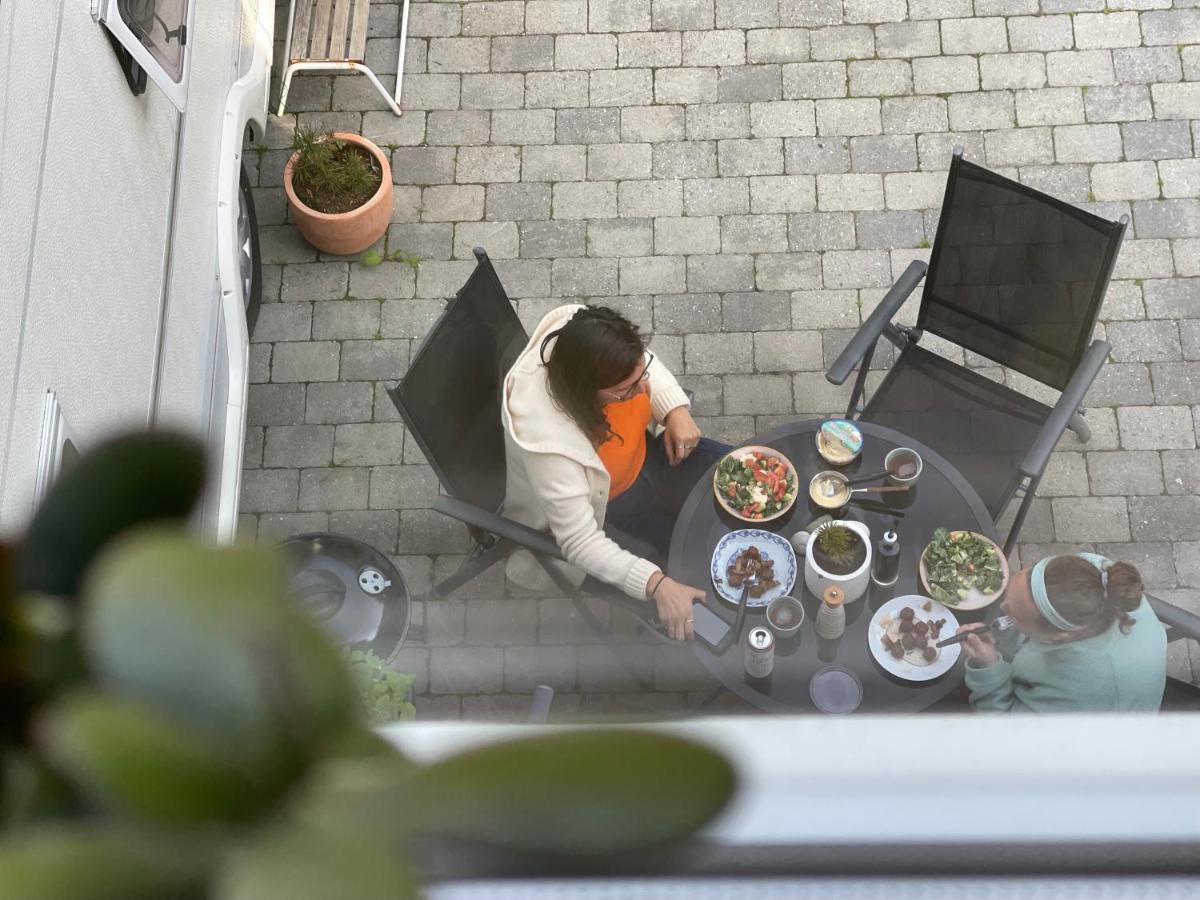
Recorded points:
(132, 762)
(310, 864)
(129, 481)
(30, 791)
(372, 258)
(207, 637)
(101, 862)
(585, 792)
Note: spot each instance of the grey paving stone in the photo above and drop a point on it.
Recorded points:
(387, 280)
(821, 231)
(305, 361)
(687, 313)
(759, 393)
(298, 445)
(338, 402)
(283, 322)
(814, 80)
(652, 49)
(423, 165)
(409, 318)
(1086, 519)
(337, 319)
(466, 670)
(650, 199)
(268, 490)
(275, 404)
(622, 87)
(767, 45)
(527, 667)
(523, 126)
(884, 153)
(1146, 65)
(756, 311)
(384, 360)
(553, 239)
(1155, 428)
(333, 489)
(1149, 341)
(1181, 471)
(368, 444)
(600, 670)
(555, 16)
(619, 161)
(1125, 473)
(1176, 382)
(618, 237)
(787, 351)
(685, 85)
(524, 53)
(787, 271)
(426, 531)
(945, 74)
(754, 234)
(1158, 518)
(782, 193)
(743, 84)
(716, 196)
(1121, 384)
(1167, 218)
(680, 160)
(687, 235)
(517, 202)
(260, 363)
(652, 275)
(588, 126)
(274, 527)
(907, 39)
(317, 281)
(584, 277)
(653, 124)
(1172, 299)
(718, 353)
(501, 240)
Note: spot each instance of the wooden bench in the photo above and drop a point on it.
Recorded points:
(332, 34)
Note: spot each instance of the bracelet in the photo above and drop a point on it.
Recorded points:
(661, 578)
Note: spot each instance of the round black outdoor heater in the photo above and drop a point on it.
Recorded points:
(351, 589)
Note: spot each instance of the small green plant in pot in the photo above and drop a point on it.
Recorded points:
(339, 190)
(840, 550)
(173, 725)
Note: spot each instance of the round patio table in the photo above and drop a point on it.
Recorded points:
(941, 498)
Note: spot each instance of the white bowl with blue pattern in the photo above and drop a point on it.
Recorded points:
(770, 546)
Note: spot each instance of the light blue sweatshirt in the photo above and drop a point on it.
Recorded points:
(1111, 672)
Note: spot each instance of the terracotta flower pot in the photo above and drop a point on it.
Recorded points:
(350, 232)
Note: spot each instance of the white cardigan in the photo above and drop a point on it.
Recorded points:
(556, 480)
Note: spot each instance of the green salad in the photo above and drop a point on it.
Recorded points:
(755, 484)
(957, 561)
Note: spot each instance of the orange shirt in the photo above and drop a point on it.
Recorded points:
(624, 458)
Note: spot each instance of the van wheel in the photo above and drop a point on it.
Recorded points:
(249, 261)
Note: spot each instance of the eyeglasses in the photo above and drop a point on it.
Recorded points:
(632, 390)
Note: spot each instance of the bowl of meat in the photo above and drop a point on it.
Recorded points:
(755, 484)
(767, 556)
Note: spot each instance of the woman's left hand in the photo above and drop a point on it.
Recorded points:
(681, 435)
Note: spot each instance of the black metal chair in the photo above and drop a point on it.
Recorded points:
(1181, 625)
(1015, 276)
(449, 401)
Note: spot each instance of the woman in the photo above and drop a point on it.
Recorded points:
(576, 407)
(1092, 642)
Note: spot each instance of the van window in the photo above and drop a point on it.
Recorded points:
(154, 35)
(161, 26)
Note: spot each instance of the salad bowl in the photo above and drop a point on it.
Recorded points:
(755, 483)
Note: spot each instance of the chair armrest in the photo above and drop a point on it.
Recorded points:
(869, 331)
(1185, 624)
(1068, 404)
(519, 534)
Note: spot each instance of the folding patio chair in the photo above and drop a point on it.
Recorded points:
(1015, 276)
(332, 34)
(1181, 625)
(449, 401)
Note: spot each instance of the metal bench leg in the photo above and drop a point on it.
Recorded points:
(287, 83)
(388, 98)
(400, 61)
(1081, 428)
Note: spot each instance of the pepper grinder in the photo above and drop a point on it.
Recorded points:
(831, 617)
(887, 560)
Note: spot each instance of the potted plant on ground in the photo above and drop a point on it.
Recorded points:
(339, 189)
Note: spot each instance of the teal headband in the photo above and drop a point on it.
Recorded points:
(1037, 587)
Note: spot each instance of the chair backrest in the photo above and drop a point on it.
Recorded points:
(329, 30)
(1016, 275)
(450, 397)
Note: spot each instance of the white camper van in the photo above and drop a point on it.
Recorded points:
(129, 275)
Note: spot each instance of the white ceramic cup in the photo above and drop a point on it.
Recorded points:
(907, 452)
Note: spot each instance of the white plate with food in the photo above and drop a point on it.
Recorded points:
(902, 635)
(765, 554)
(755, 484)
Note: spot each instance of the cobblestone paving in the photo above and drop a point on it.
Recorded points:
(744, 179)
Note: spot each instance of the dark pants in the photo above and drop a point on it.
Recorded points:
(642, 518)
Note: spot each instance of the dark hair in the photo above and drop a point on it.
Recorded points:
(596, 349)
(1077, 591)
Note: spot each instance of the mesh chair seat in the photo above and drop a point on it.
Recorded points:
(983, 428)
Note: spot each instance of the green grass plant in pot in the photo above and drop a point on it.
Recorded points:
(339, 190)
(172, 725)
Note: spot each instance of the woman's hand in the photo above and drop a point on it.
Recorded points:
(675, 605)
(981, 651)
(681, 436)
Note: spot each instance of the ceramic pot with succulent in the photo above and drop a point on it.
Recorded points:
(837, 554)
(339, 190)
